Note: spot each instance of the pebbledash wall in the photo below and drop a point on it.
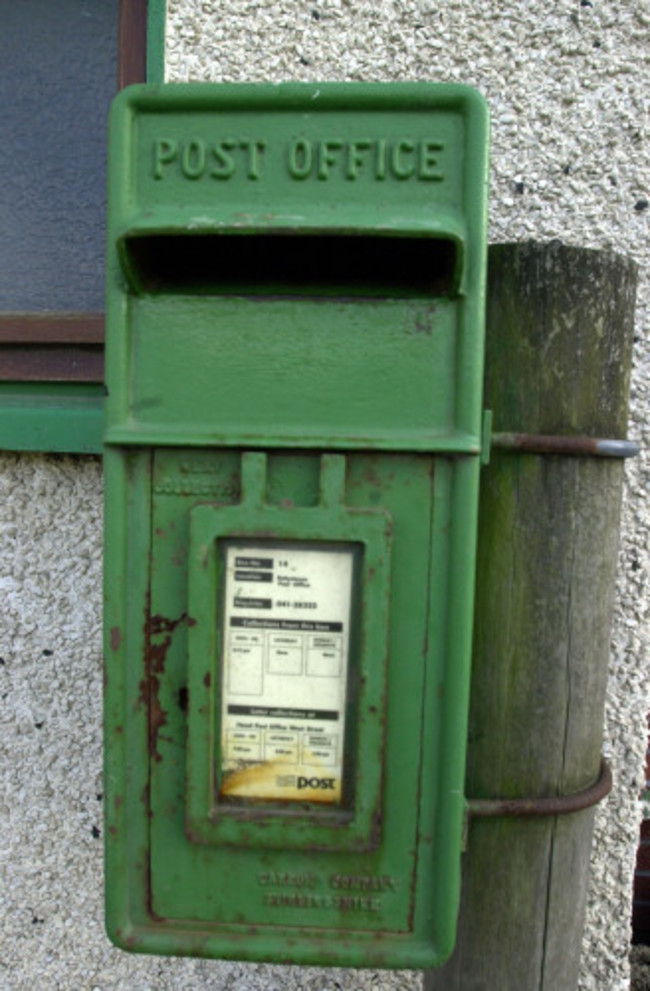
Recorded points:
(567, 81)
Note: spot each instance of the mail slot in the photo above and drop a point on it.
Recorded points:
(293, 429)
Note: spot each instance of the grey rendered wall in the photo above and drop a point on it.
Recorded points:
(568, 84)
(567, 81)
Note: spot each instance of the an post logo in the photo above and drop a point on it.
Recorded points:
(324, 783)
(291, 781)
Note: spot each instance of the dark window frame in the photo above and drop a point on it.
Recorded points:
(69, 346)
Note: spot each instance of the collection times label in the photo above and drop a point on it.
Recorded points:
(285, 664)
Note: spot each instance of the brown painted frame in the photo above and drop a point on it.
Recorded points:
(69, 347)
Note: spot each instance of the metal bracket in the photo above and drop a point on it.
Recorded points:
(580, 447)
(594, 447)
(557, 806)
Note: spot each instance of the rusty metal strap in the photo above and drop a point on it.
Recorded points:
(561, 805)
(594, 447)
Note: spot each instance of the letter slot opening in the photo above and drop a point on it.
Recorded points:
(347, 265)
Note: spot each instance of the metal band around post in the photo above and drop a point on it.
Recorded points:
(557, 806)
(594, 447)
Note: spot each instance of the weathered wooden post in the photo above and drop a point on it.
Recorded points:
(558, 364)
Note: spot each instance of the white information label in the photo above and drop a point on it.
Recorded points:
(286, 642)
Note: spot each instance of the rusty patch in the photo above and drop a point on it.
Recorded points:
(191, 621)
(131, 941)
(143, 694)
(424, 321)
(161, 624)
(116, 638)
(157, 718)
(371, 474)
(145, 798)
(191, 835)
(207, 679)
(156, 656)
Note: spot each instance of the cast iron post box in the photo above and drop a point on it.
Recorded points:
(294, 368)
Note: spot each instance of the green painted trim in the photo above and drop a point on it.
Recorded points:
(51, 417)
(156, 13)
(64, 417)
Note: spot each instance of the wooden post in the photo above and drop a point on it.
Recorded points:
(560, 323)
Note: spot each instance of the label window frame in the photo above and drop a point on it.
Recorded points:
(212, 821)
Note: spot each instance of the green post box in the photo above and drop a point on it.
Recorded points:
(294, 367)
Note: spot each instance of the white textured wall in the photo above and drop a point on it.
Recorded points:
(568, 82)
(568, 86)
